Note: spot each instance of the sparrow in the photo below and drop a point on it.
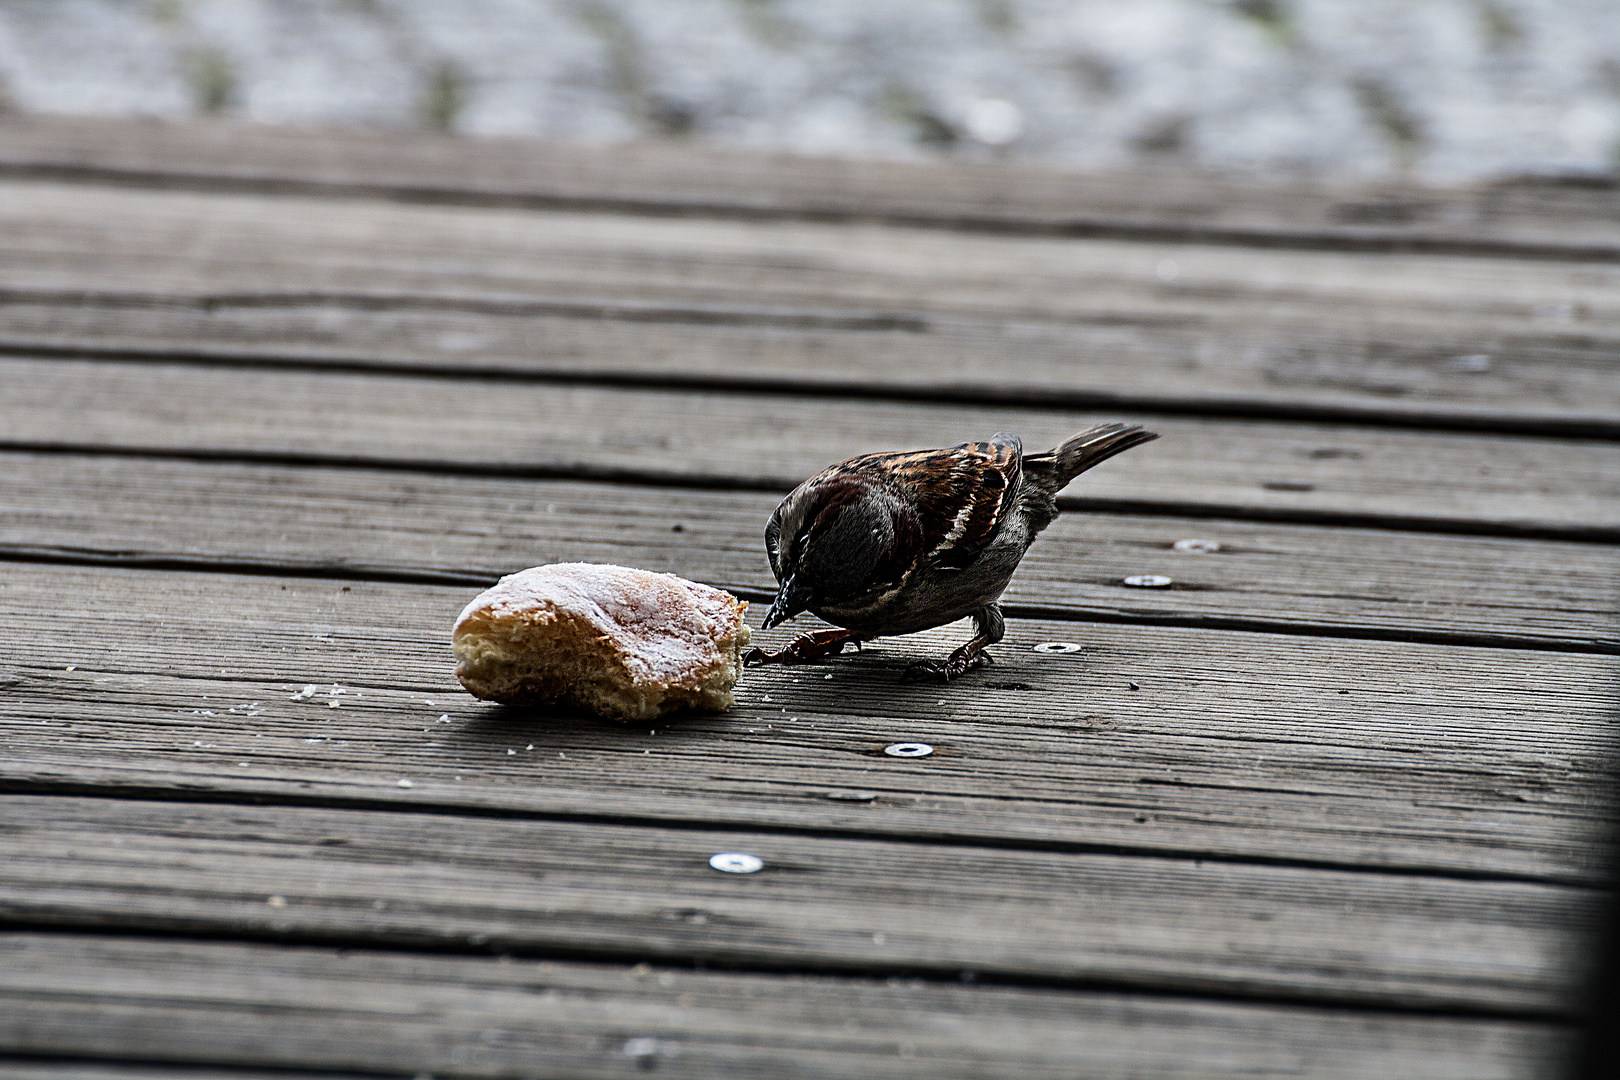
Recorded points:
(887, 544)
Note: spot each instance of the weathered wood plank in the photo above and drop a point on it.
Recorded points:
(1522, 217)
(856, 309)
(255, 250)
(33, 1067)
(1238, 469)
(1445, 376)
(425, 527)
(39, 1067)
(1459, 761)
(356, 877)
(1502, 791)
(252, 1006)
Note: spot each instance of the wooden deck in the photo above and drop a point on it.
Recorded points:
(277, 404)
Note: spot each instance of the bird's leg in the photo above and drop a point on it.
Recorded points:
(805, 648)
(990, 627)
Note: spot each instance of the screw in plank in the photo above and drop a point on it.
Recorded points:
(1197, 547)
(1148, 581)
(908, 749)
(851, 796)
(646, 1051)
(737, 862)
(1057, 647)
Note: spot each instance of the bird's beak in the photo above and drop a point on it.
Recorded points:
(791, 599)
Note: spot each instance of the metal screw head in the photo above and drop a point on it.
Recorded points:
(908, 749)
(1148, 581)
(1197, 547)
(1057, 647)
(736, 862)
(851, 796)
(644, 1048)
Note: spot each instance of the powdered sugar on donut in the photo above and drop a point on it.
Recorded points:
(616, 639)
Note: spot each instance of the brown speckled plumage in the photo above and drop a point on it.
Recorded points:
(895, 543)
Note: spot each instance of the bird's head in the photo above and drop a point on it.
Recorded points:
(835, 538)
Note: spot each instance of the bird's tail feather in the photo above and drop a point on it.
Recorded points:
(1086, 450)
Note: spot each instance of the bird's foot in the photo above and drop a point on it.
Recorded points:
(805, 649)
(956, 665)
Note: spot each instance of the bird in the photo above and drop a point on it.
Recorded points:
(894, 543)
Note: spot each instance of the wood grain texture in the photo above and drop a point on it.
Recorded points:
(426, 362)
(245, 1006)
(428, 527)
(624, 892)
(1258, 364)
(1524, 217)
(1422, 759)
(771, 305)
(1237, 469)
(240, 251)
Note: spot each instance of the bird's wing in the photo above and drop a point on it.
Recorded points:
(962, 494)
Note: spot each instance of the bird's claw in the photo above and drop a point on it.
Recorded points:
(953, 667)
(804, 649)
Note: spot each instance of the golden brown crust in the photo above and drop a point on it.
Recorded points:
(620, 642)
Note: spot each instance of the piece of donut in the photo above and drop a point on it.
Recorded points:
(623, 643)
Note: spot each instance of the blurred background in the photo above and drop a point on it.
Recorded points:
(1436, 91)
